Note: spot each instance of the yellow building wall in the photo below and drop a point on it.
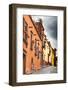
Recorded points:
(46, 52)
(52, 58)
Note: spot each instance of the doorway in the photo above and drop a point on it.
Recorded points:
(24, 63)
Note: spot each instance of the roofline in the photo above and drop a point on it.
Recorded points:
(34, 26)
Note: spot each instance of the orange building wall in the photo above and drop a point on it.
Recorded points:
(31, 53)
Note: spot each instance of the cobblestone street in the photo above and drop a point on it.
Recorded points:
(46, 70)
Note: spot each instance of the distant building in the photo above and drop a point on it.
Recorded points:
(45, 50)
(55, 58)
(49, 54)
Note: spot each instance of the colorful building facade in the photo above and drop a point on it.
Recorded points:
(32, 44)
(49, 56)
(37, 50)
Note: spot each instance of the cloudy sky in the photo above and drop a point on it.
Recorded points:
(50, 28)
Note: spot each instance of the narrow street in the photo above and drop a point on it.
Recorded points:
(46, 70)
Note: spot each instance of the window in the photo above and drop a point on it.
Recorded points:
(40, 55)
(44, 44)
(38, 50)
(25, 32)
(35, 47)
(31, 41)
(32, 63)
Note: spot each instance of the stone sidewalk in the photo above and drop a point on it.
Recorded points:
(46, 70)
